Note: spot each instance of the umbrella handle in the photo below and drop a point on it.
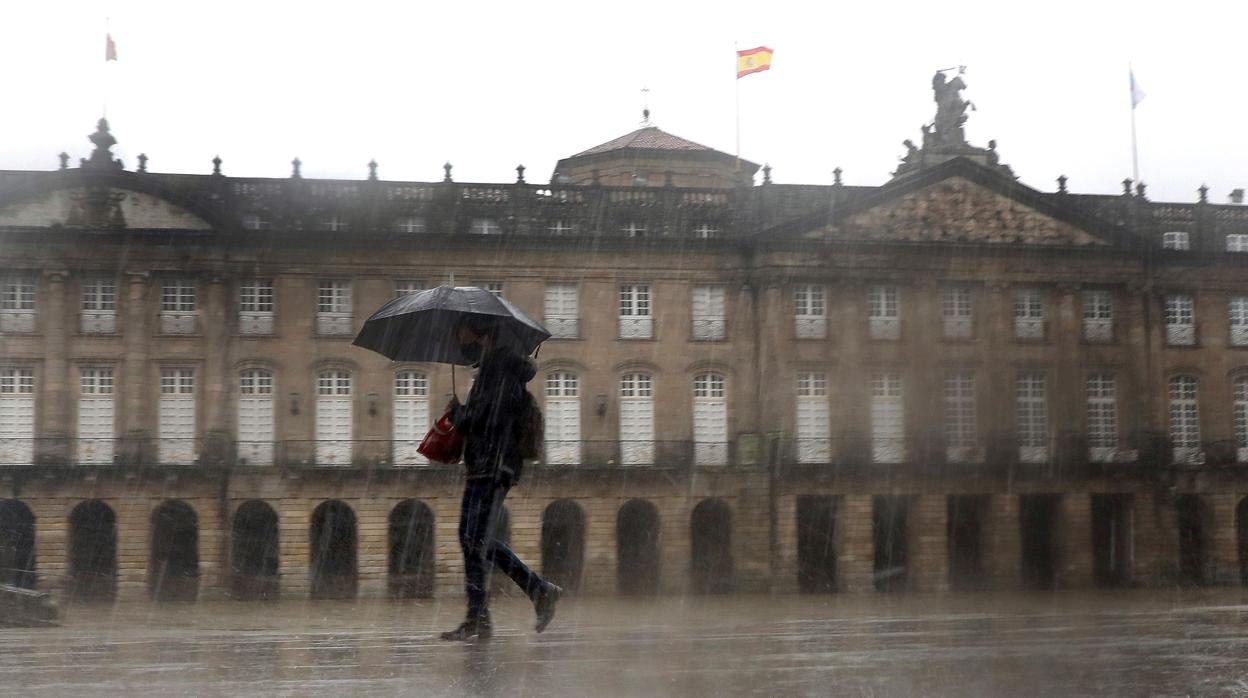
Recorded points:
(454, 392)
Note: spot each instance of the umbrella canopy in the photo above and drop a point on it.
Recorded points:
(421, 326)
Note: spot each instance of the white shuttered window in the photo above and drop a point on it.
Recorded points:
(884, 312)
(255, 416)
(96, 426)
(1028, 314)
(810, 311)
(710, 419)
(957, 312)
(177, 416)
(334, 418)
(1032, 417)
(1180, 320)
(708, 312)
(562, 313)
(1184, 420)
(563, 418)
(1098, 316)
(177, 306)
(1238, 311)
(255, 306)
(636, 419)
(411, 416)
(961, 436)
(1239, 411)
(636, 317)
(17, 415)
(887, 419)
(99, 305)
(1102, 393)
(814, 421)
(333, 307)
(17, 303)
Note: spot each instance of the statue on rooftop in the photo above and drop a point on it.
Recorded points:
(950, 109)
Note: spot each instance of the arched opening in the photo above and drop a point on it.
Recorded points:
(17, 544)
(965, 535)
(1241, 529)
(563, 544)
(890, 532)
(411, 541)
(710, 542)
(637, 548)
(173, 567)
(1112, 539)
(92, 552)
(816, 544)
(1037, 520)
(333, 545)
(1191, 515)
(254, 551)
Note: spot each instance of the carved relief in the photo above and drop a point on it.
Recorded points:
(957, 210)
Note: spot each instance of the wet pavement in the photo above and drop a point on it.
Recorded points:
(1130, 643)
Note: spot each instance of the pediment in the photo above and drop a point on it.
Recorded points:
(99, 207)
(959, 210)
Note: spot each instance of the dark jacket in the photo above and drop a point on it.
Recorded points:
(489, 419)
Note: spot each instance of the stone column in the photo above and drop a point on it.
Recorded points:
(135, 418)
(57, 416)
(849, 413)
(295, 516)
(1222, 539)
(1003, 547)
(1074, 541)
(1067, 405)
(1156, 540)
(855, 549)
(929, 543)
(216, 380)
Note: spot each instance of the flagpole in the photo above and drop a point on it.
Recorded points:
(1135, 156)
(736, 81)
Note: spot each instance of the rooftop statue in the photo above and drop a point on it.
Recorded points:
(950, 110)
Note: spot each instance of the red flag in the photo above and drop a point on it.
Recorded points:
(110, 49)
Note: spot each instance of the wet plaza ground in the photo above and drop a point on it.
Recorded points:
(1125, 643)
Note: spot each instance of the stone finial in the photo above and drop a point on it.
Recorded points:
(1061, 184)
(216, 165)
(296, 164)
(64, 158)
(104, 141)
(372, 170)
(446, 169)
(519, 174)
(1204, 193)
(836, 177)
(1139, 189)
(767, 173)
(142, 162)
(1126, 187)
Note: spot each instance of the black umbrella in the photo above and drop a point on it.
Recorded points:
(421, 326)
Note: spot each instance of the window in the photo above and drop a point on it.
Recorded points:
(1102, 394)
(887, 419)
(562, 314)
(814, 423)
(1176, 241)
(409, 224)
(334, 418)
(633, 229)
(334, 223)
(95, 415)
(708, 312)
(883, 312)
(257, 221)
(1098, 316)
(809, 311)
(402, 288)
(333, 308)
(177, 306)
(1028, 314)
(710, 419)
(563, 418)
(636, 419)
(705, 231)
(960, 431)
(1180, 321)
(411, 416)
(1237, 242)
(1032, 415)
(1238, 307)
(485, 226)
(1184, 420)
(17, 415)
(177, 416)
(494, 287)
(255, 416)
(635, 319)
(560, 227)
(1239, 408)
(99, 305)
(957, 312)
(17, 303)
(255, 306)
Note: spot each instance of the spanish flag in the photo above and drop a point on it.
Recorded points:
(753, 60)
(110, 49)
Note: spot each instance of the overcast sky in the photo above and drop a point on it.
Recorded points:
(490, 85)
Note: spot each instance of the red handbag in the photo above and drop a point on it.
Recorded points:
(443, 443)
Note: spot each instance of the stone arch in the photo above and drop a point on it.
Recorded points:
(410, 563)
(173, 565)
(563, 543)
(92, 552)
(710, 554)
(255, 560)
(333, 544)
(17, 544)
(1193, 518)
(637, 548)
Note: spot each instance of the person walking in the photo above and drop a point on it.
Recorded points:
(491, 424)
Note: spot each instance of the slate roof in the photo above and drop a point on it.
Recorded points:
(647, 138)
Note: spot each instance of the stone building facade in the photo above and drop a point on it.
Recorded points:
(951, 380)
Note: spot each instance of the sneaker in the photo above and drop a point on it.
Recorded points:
(469, 631)
(545, 605)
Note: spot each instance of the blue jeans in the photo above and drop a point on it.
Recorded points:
(478, 537)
